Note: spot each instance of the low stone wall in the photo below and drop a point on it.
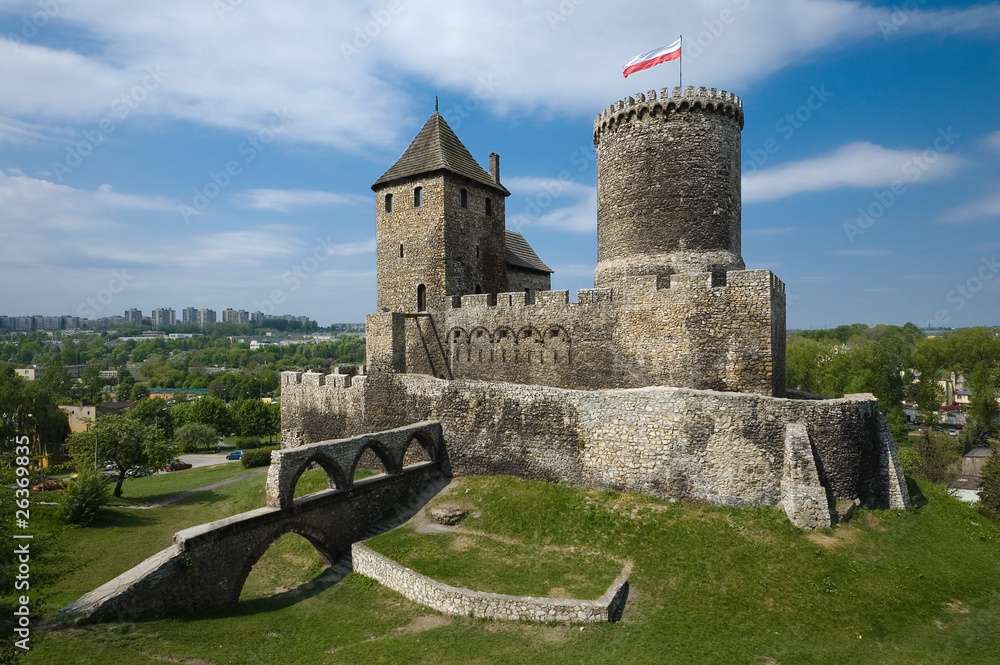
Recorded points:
(465, 602)
(702, 445)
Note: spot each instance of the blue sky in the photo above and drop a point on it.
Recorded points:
(220, 153)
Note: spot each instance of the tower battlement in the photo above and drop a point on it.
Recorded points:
(668, 100)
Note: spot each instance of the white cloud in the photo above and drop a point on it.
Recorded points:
(38, 203)
(858, 165)
(352, 248)
(16, 132)
(987, 207)
(336, 72)
(283, 200)
(992, 140)
(553, 203)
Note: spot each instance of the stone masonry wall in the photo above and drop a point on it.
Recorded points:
(449, 249)
(465, 602)
(668, 173)
(527, 281)
(676, 443)
(692, 331)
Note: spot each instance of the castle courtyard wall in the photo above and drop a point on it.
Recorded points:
(696, 330)
(675, 443)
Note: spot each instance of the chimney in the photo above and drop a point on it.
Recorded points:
(495, 167)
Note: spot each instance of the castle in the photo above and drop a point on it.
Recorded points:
(667, 377)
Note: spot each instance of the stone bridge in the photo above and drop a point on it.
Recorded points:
(205, 568)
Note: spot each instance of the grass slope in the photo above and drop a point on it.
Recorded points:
(710, 585)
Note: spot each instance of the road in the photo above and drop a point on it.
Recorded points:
(197, 460)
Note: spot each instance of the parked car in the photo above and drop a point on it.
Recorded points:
(235, 455)
(139, 472)
(176, 465)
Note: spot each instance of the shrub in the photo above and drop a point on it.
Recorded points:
(246, 441)
(258, 457)
(989, 493)
(937, 458)
(84, 498)
(911, 461)
(60, 469)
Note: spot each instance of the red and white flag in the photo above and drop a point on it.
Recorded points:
(653, 58)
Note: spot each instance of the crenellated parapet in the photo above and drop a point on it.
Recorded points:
(317, 379)
(668, 101)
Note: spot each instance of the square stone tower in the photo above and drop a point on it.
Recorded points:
(439, 224)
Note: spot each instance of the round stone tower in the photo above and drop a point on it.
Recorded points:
(668, 184)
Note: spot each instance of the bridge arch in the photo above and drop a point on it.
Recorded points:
(317, 539)
(334, 474)
(375, 446)
(418, 443)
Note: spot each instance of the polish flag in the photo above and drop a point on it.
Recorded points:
(653, 58)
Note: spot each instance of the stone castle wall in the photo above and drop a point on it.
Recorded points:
(723, 332)
(699, 445)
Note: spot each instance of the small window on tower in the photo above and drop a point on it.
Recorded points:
(418, 197)
(421, 298)
(400, 250)
(477, 251)
(489, 206)
(464, 196)
(388, 202)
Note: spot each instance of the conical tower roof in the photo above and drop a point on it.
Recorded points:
(436, 147)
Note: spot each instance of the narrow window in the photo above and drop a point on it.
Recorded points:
(464, 195)
(489, 206)
(479, 289)
(400, 250)
(418, 197)
(421, 298)
(477, 251)
(388, 202)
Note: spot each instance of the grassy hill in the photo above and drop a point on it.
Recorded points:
(710, 585)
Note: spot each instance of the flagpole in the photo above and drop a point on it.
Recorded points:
(680, 65)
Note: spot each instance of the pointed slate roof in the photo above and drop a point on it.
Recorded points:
(436, 147)
(521, 255)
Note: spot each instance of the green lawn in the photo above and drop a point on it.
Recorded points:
(501, 566)
(710, 585)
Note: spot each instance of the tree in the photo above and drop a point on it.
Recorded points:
(26, 408)
(154, 412)
(126, 382)
(195, 436)
(989, 493)
(983, 408)
(56, 382)
(212, 411)
(252, 417)
(123, 442)
(138, 392)
(90, 389)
